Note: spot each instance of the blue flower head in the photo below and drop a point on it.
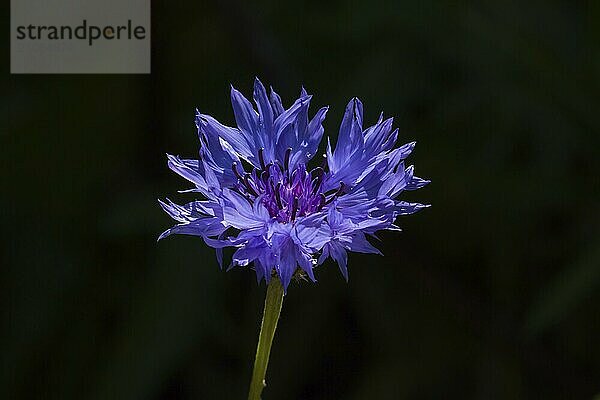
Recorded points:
(260, 197)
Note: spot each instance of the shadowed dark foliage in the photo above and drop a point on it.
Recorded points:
(492, 293)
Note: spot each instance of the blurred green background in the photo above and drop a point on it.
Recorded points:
(493, 293)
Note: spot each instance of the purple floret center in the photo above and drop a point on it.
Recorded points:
(286, 194)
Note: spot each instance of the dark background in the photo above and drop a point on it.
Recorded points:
(492, 293)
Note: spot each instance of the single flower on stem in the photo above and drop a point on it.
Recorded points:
(282, 217)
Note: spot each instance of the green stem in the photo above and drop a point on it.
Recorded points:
(273, 303)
